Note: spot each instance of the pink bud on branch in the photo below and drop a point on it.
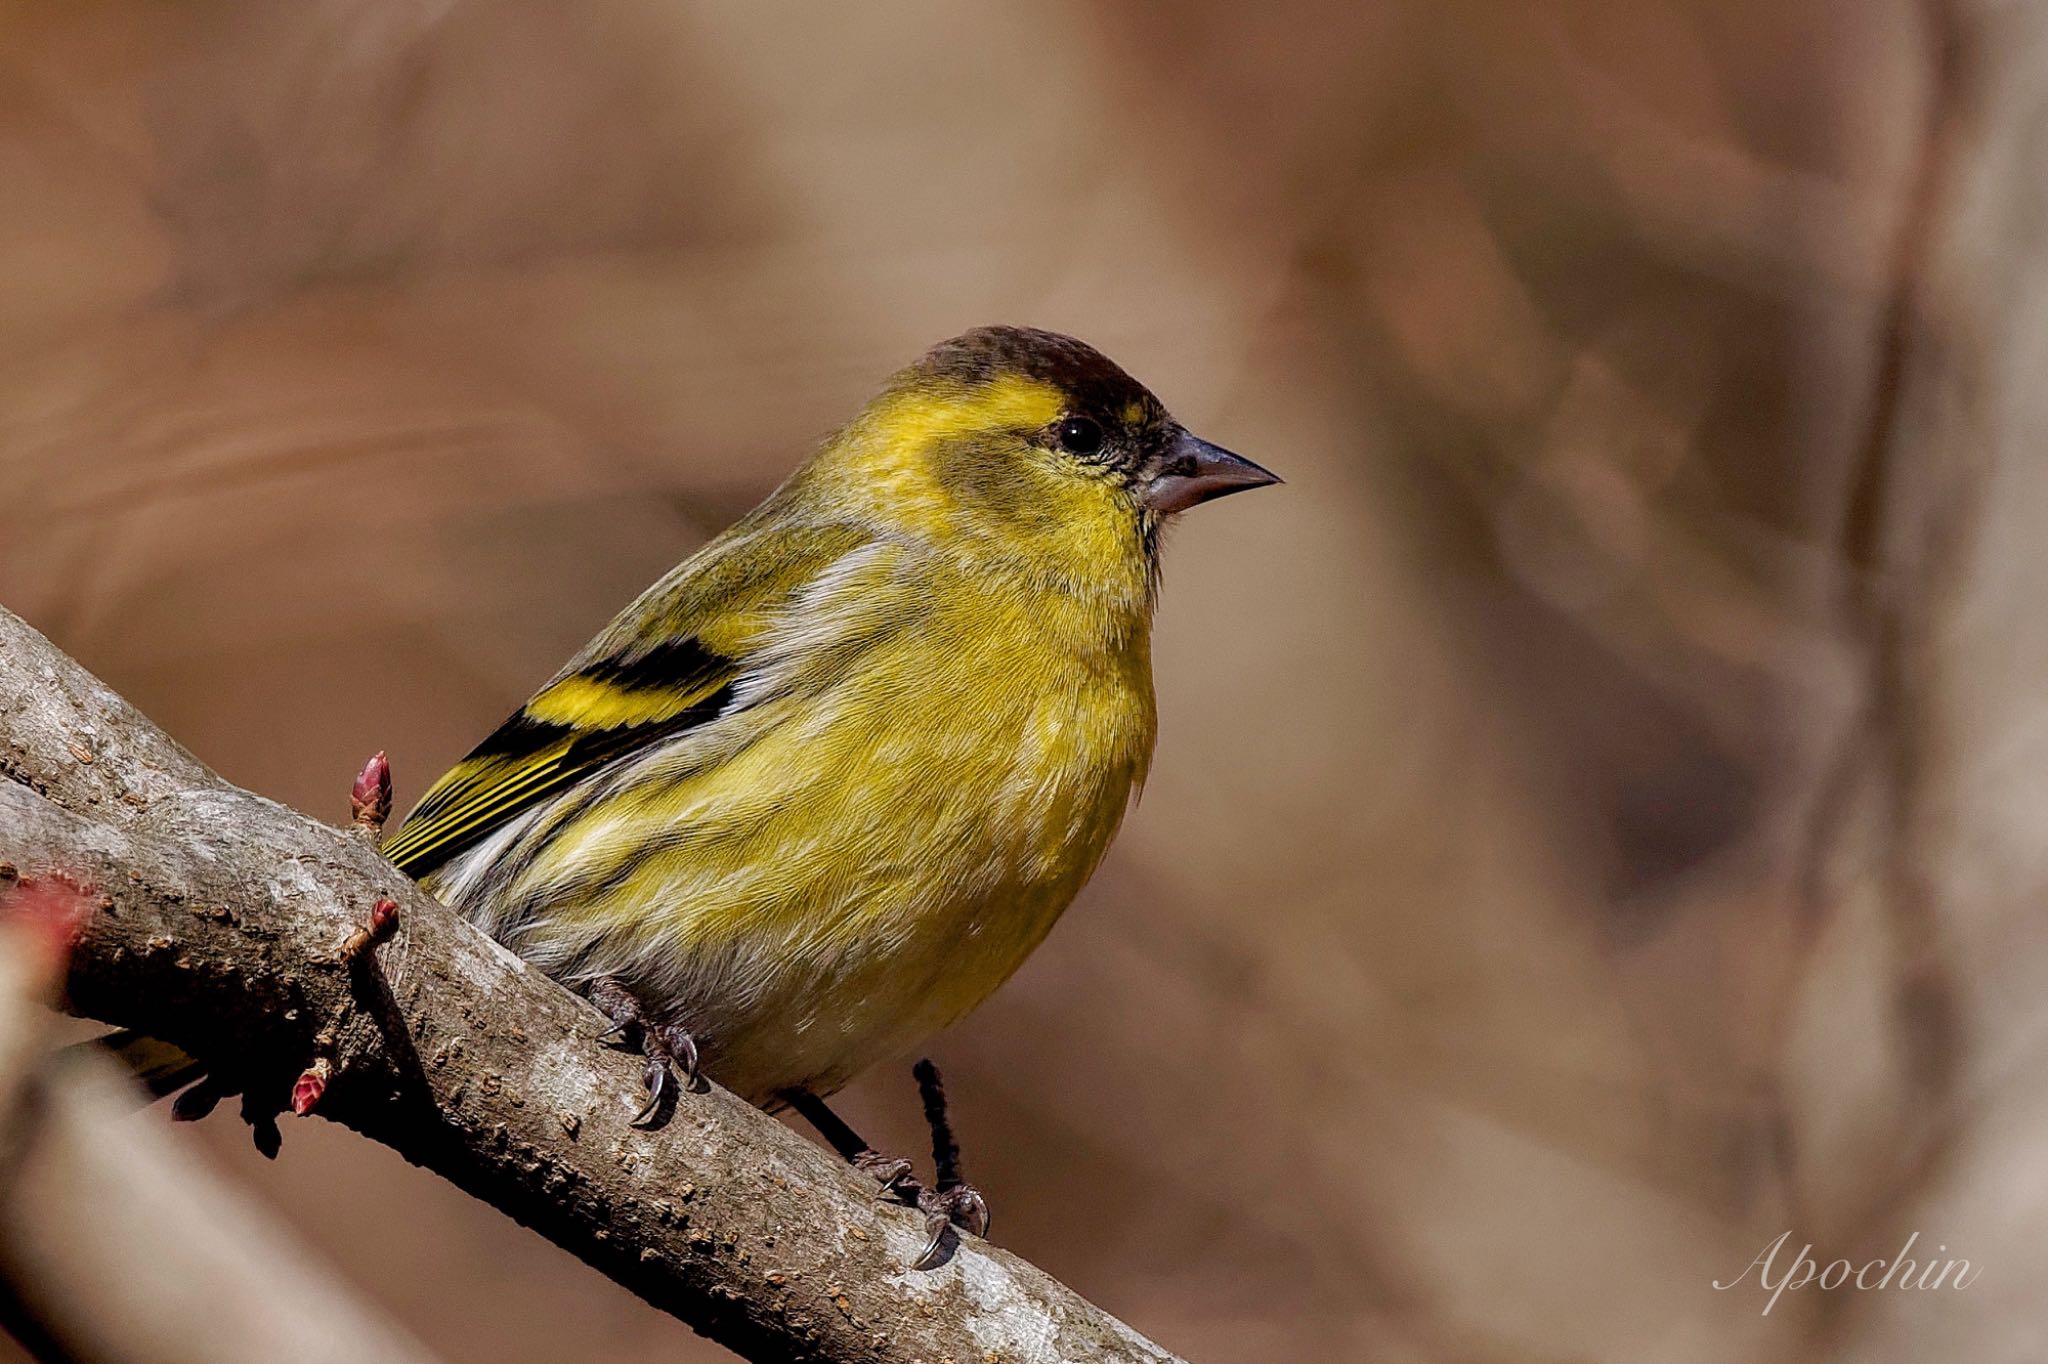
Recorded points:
(369, 800)
(311, 1085)
(383, 923)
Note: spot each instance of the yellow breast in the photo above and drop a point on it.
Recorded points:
(879, 856)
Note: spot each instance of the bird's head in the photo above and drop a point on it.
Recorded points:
(1034, 449)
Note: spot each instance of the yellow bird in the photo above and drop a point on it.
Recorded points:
(823, 787)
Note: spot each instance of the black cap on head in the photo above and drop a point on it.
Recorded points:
(1096, 383)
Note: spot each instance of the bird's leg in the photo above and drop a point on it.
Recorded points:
(667, 1046)
(951, 1201)
(893, 1173)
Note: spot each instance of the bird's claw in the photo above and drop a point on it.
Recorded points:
(654, 1075)
(960, 1206)
(668, 1047)
(682, 1049)
(892, 1173)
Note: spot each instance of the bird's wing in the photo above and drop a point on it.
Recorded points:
(667, 663)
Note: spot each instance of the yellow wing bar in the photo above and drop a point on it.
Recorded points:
(569, 730)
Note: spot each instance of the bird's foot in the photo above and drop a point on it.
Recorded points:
(668, 1047)
(892, 1173)
(959, 1205)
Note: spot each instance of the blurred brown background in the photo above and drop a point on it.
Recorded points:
(1599, 816)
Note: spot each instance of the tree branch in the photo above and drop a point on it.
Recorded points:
(220, 919)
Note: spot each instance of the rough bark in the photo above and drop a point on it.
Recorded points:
(219, 922)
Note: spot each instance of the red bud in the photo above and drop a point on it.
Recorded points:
(383, 923)
(370, 798)
(54, 910)
(311, 1084)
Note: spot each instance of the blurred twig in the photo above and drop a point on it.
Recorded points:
(1906, 525)
(219, 929)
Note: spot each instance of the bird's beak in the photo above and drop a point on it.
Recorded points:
(1194, 471)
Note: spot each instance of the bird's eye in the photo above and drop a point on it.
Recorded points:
(1080, 435)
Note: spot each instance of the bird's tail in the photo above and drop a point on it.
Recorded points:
(162, 1068)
